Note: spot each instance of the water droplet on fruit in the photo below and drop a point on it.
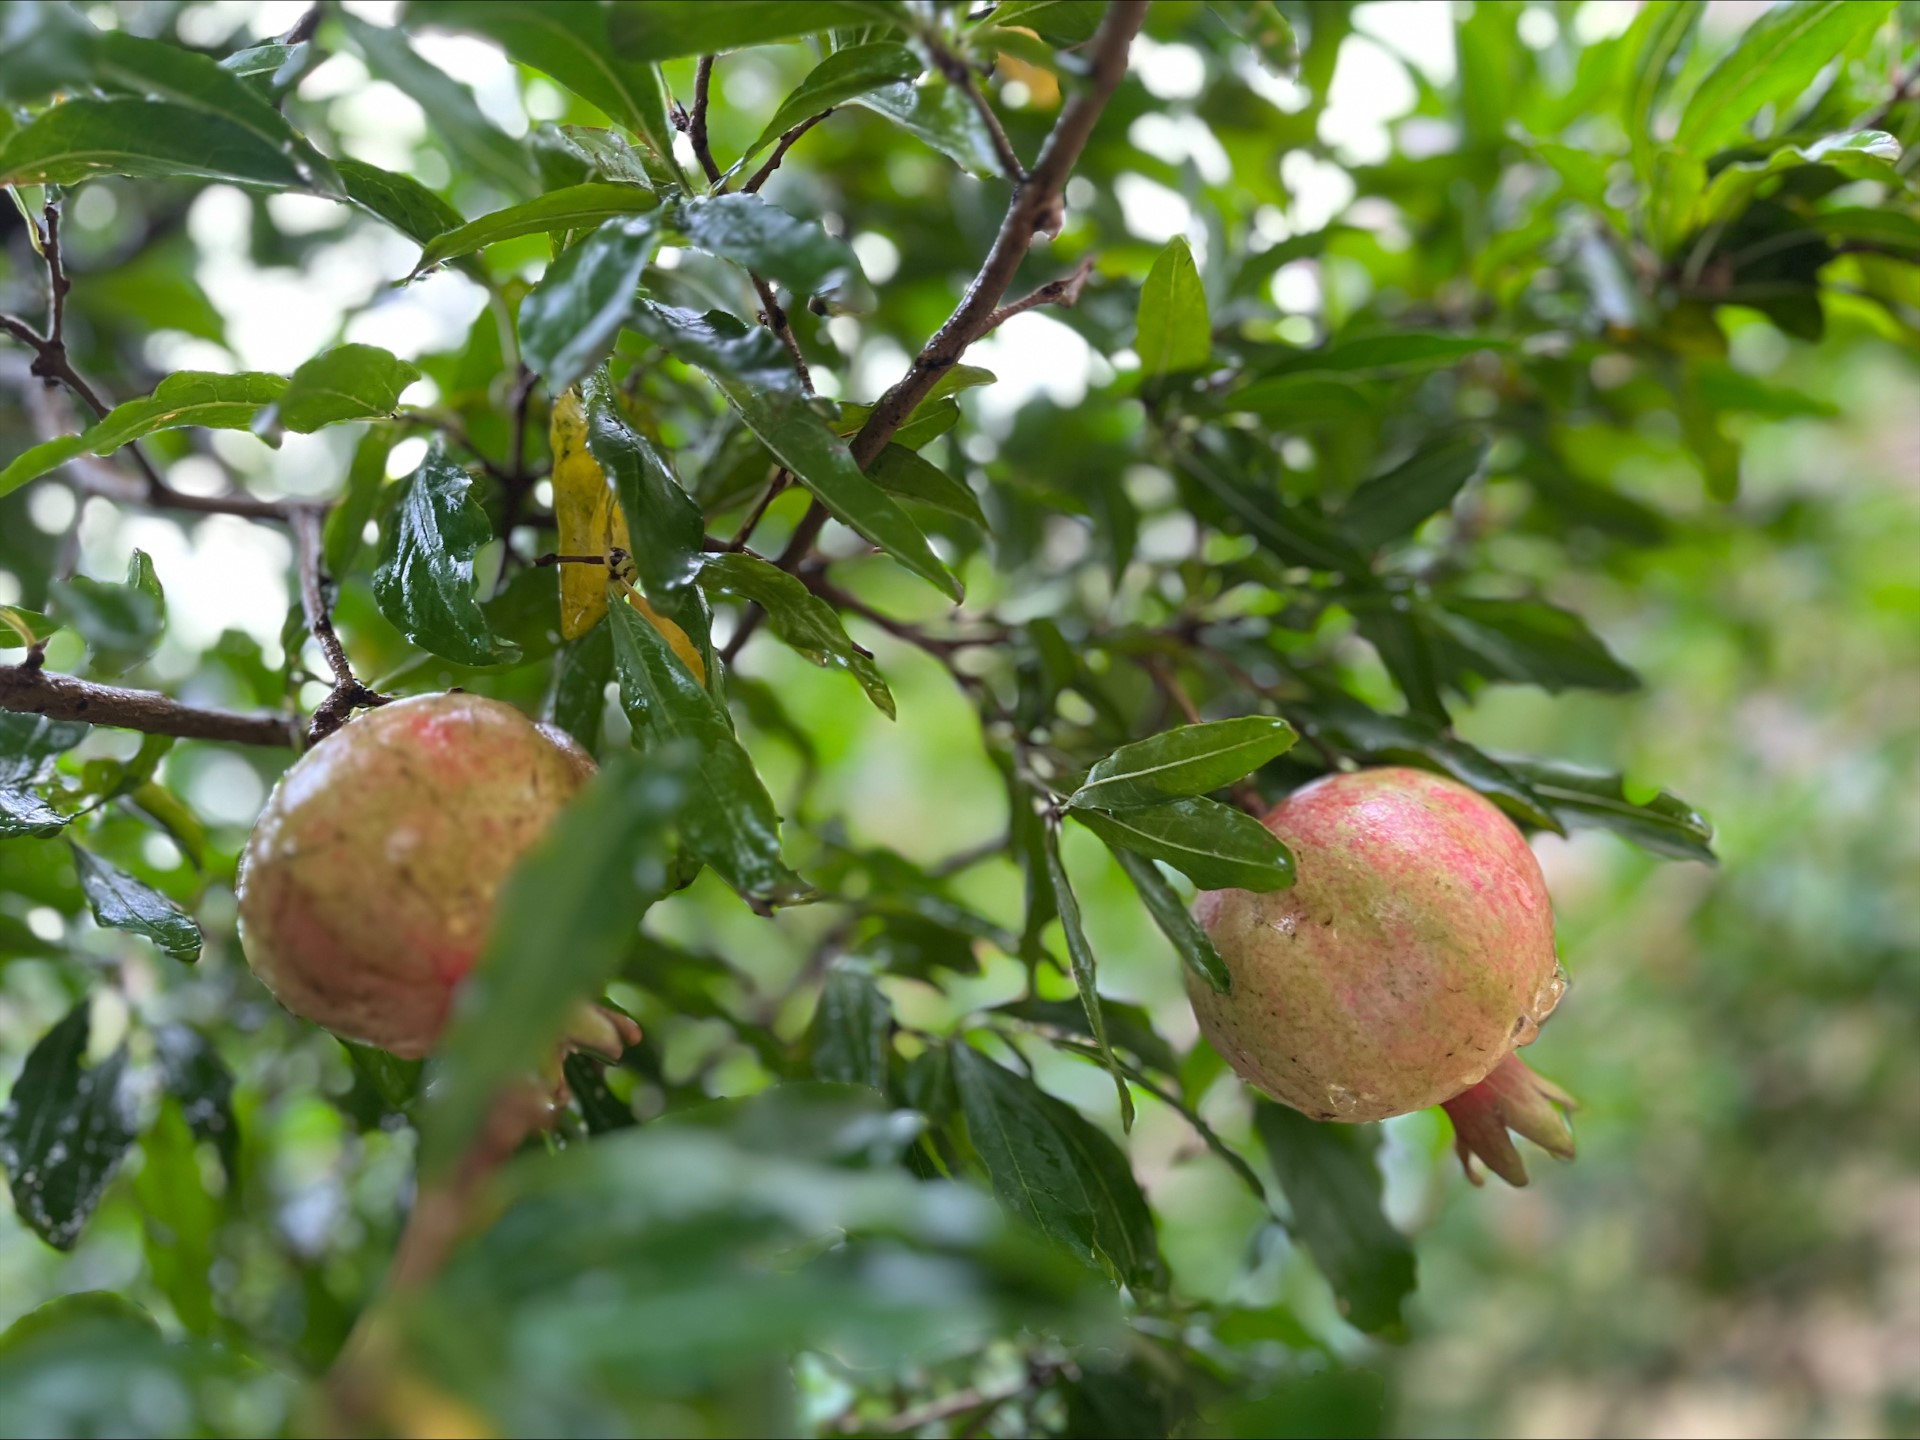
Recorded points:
(1285, 924)
(1343, 1100)
(1526, 1027)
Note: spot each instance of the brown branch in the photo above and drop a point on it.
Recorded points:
(697, 123)
(33, 691)
(1064, 292)
(781, 478)
(961, 75)
(775, 319)
(765, 172)
(1036, 209)
(348, 694)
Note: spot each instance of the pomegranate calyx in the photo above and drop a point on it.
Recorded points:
(1514, 1098)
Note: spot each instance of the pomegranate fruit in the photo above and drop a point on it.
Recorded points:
(1412, 955)
(368, 885)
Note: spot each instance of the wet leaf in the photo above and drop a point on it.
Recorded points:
(1189, 760)
(121, 902)
(569, 320)
(424, 583)
(842, 76)
(1214, 845)
(799, 617)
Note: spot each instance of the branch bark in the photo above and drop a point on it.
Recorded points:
(348, 694)
(34, 691)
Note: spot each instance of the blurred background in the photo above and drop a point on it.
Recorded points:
(1737, 1249)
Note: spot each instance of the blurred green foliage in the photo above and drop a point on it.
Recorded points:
(1521, 391)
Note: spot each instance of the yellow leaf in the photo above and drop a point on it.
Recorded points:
(584, 512)
(590, 523)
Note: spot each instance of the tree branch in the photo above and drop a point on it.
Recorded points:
(348, 693)
(1064, 292)
(765, 172)
(697, 123)
(33, 691)
(961, 75)
(1035, 209)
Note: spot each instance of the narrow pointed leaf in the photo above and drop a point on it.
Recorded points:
(852, 1024)
(1532, 643)
(348, 382)
(64, 1131)
(400, 200)
(82, 138)
(1085, 968)
(739, 363)
(767, 240)
(569, 320)
(1585, 799)
(121, 902)
(729, 821)
(1055, 1169)
(187, 397)
(569, 43)
(1175, 335)
(799, 617)
(1332, 1185)
(907, 476)
(1190, 760)
(842, 76)
(1214, 845)
(1176, 922)
(1394, 504)
(577, 207)
(665, 29)
(424, 583)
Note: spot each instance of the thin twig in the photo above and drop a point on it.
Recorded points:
(781, 478)
(775, 319)
(697, 122)
(1064, 292)
(960, 74)
(348, 693)
(31, 690)
(1036, 209)
(765, 172)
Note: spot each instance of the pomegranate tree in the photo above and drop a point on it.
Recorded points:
(368, 886)
(1411, 957)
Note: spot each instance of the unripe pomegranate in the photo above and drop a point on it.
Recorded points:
(368, 886)
(1411, 956)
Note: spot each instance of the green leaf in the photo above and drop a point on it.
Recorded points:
(1404, 349)
(1129, 1027)
(580, 689)
(1175, 333)
(178, 1218)
(799, 617)
(1409, 740)
(94, 1364)
(1776, 59)
(400, 200)
(187, 397)
(568, 42)
(849, 1039)
(740, 363)
(343, 535)
(666, 29)
(20, 628)
(197, 1077)
(64, 1130)
(1585, 799)
(122, 624)
(424, 583)
(569, 320)
(766, 239)
(1060, 22)
(1893, 231)
(80, 139)
(348, 382)
(1291, 402)
(1050, 1166)
(1176, 922)
(1214, 845)
(1333, 1188)
(940, 114)
(1189, 760)
(908, 476)
(120, 902)
(1394, 504)
(1402, 635)
(1532, 643)
(477, 146)
(1293, 533)
(842, 76)
(29, 746)
(1654, 47)
(729, 821)
(566, 918)
(577, 207)
(1858, 155)
(1085, 967)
